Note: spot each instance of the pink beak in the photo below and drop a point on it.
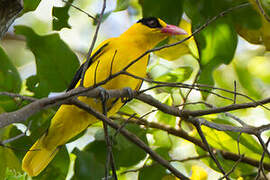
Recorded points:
(173, 30)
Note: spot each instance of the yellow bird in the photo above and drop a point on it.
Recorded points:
(111, 56)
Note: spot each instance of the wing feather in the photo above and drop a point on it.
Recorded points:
(79, 72)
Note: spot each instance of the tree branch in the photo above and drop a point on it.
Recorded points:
(130, 137)
(182, 134)
(9, 10)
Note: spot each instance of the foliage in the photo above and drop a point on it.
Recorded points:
(217, 52)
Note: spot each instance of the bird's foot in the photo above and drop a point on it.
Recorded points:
(130, 95)
(103, 94)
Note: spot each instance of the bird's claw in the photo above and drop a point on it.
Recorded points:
(130, 95)
(104, 95)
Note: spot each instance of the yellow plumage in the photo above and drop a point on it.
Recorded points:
(114, 55)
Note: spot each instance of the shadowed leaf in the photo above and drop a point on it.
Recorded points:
(56, 63)
(61, 16)
(9, 81)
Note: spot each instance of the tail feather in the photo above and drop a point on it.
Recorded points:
(37, 158)
(67, 123)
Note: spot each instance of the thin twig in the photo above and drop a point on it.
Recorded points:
(226, 113)
(139, 168)
(79, 9)
(110, 158)
(182, 134)
(259, 4)
(131, 137)
(107, 139)
(6, 141)
(183, 85)
(172, 160)
(87, 63)
(234, 95)
(123, 125)
(263, 144)
(190, 158)
(233, 168)
(26, 111)
(209, 149)
(261, 167)
(192, 87)
(221, 14)
(14, 95)
(238, 143)
(18, 136)
(15, 119)
(238, 161)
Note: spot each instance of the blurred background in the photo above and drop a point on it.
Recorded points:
(248, 67)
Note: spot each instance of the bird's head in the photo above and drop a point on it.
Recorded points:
(153, 30)
(156, 26)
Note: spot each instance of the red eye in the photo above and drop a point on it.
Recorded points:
(152, 23)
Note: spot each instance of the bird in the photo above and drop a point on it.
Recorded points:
(110, 57)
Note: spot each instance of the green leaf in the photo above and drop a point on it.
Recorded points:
(30, 5)
(56, 63)
(8, 162)
(155, 171)
(249, 82)
(165, 74)
(58, 168)
(201, 11)
(170, 10)
(90, 162)
(60, 16)
(125, 148)
(9, 77)
(266, 6)
(218, 41)
(164, 117)
(87, 167)
(12, 175)
(9, 81)
(22, 144)
(179, 74)
(12, 161)
(217, 45)
(161, 139)
(163, 152)
(40, 122)
(242, 170)
(228, 141)
(122, 147)
(122, 5)
(8, 158)
(247, 18)
(3, 164)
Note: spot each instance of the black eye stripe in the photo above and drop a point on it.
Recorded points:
(151, 22)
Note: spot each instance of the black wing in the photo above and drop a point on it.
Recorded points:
(79, 72)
